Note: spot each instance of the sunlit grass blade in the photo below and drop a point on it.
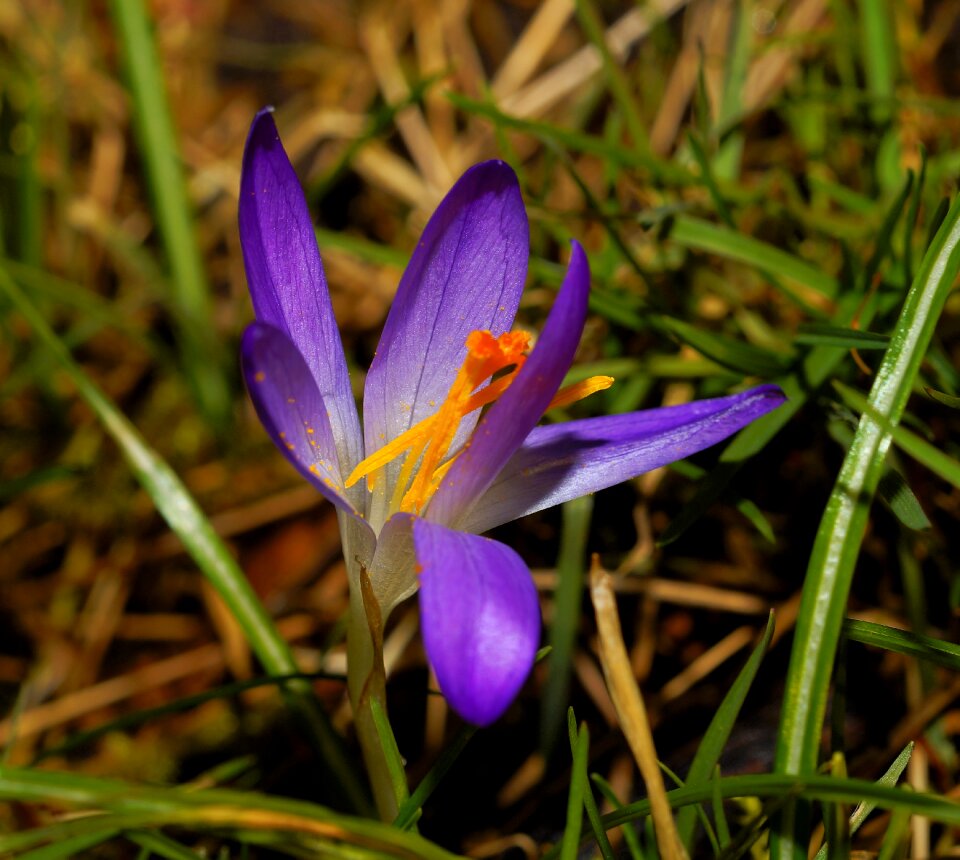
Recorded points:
(185, 518)
(132, 806)
(718, 732)
(190, 294)
(568, 596)
(927, 648)
(837, 546)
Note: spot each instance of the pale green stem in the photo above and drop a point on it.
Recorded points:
(366, 682)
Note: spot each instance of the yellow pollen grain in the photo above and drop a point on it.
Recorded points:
(259, 376)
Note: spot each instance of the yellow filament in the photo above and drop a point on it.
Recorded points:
(572, 393)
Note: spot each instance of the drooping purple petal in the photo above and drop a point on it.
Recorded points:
(509, 421)
(559, 462)
(480, 619)
(466, 273)
(291, 409)
(286, 278)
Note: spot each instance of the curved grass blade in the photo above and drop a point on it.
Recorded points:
(718, 732)
(136, 807)
(185, 518)
(725, 351)
(158, 142)
(837, 546)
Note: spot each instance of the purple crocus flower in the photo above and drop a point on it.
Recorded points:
(429, 470)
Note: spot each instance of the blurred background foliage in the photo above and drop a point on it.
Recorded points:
(755, 183)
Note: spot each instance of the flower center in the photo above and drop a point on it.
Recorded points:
(426, 445)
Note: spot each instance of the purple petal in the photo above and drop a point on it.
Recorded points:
(286, 279)
(559, 462)
(466, 273)
(480, 619)
(291, 409)
(509, 421)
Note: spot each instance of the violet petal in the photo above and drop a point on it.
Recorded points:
(559, 462)
(286, 278)
(466, 273)
(291, 409)
(501, 431)
(480, 619)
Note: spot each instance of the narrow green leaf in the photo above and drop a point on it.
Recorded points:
(904, 642)
(732, 245)
(138, 806)
(568, 595)
(594, 28)
(158, 142)
(740, 357)
(718, 732)
(896, 841)
(162, 846)
(185, 518)
(823, 334)
(629, 834)
(895, 491)
(946, 399)
(590, 804)
(906, 440)
(64, 849)
(570, 842)
(837, 545)
(410, 810)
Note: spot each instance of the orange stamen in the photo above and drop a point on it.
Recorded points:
(426, 445)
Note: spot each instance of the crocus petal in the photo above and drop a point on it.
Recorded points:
(286, 278)
(393, 572)
(480, 619)
(291, 409)
(559, 462)
(466, 273)
(509, 421)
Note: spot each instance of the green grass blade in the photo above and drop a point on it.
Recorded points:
(629, 834)
(727, 352)
(928, 648)
(139, 806)
(724, 242)
(409, 811)
(718, 732)
(906, 440)
(577, 740)
(158, 142)
(566, 617)
(616, 78)
(814, 787)
(185, 518)
(824, 334)
(830, 569)
(162, 846)
(569, 844)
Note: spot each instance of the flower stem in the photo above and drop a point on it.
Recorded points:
(366, 681)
